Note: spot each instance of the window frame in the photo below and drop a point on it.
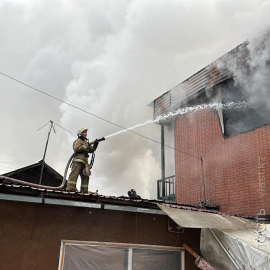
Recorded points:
(65, 243)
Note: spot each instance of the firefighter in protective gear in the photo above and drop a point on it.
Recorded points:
(80, 164)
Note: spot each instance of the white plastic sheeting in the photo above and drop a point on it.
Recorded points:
(109, 257)
(227, 242)
(247, 249)
(87, 257)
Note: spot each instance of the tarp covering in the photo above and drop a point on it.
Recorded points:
(198, 219)
(236, 249)
(87, 257)
(79, 257)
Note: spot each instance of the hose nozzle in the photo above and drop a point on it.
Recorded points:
(101, 139)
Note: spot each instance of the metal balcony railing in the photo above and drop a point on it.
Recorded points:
(169, 189)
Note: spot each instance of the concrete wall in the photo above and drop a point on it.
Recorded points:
(236, 170)
(31, 234)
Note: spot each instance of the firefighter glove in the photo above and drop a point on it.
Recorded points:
(96, 144)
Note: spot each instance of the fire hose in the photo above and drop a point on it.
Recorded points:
(64, 181)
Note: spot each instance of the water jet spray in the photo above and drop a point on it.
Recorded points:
(160, 119)
(172, 115)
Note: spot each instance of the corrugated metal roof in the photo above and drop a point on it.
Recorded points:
(20, 189)
(9, 188)
(202, 80)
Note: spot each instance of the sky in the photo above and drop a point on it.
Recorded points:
(111, 59)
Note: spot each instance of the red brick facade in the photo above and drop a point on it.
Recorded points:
(236, 170)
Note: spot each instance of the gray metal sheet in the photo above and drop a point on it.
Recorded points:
(120, 208)
(150, 211)
(20, 198)
(72, 203)
(133, 209)
(198, 219)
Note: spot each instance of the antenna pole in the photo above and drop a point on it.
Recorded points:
(43, 160)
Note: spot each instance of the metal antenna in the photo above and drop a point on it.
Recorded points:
(43, 160)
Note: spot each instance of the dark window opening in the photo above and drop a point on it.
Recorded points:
(244, 119)
(234, 121)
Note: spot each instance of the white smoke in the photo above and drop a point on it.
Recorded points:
(255, 78)
(110, 58)
(250, 66)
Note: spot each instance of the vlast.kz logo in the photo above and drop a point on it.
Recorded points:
(258, 262)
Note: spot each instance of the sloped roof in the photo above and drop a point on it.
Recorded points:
(37, 164)
(32, 173)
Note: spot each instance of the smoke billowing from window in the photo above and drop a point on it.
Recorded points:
(251, 82)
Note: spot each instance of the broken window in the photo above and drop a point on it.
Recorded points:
(247, 118)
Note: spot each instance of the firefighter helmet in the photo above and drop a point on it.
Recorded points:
(81, 130)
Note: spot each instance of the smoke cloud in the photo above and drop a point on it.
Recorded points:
(110, 58)
(250, 66)
(254, 78)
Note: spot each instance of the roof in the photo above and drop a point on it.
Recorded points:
(122, 203)
(24, 193)
(31, 174)
(204, 79)
(37, 164)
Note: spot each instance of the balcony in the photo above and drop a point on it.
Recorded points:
(166, 192)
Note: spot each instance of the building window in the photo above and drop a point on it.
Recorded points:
(75, 255)
(242, 120)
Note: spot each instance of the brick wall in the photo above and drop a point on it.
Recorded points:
(235, 169)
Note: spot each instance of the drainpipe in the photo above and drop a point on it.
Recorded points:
(203, 185)
(162, 160)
